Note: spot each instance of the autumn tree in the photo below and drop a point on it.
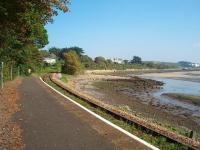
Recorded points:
(22, 25)
(72, 63)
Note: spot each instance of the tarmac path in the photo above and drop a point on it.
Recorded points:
(50, 122)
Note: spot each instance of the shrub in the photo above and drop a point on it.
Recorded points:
(72, 63)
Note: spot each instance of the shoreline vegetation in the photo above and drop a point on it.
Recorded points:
(193, 99)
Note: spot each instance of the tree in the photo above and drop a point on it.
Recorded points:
(109, 61)
(99, 60)
(126, 62)
(72, 63)
(56, 51)
(150, 64)
(86, 61)
(79, 51)
(22, 25)
(136, 60)
(185, 64)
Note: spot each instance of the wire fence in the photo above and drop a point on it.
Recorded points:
(8, 72)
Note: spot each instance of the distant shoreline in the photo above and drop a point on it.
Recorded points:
(192, 76)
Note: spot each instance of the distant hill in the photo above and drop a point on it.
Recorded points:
(185, 64)
(161, 65)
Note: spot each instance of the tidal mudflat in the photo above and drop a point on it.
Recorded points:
(145, 97)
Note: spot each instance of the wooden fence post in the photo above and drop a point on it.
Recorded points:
(2, 75)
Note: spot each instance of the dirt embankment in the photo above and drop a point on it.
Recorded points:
(140, 84)
(10, 132)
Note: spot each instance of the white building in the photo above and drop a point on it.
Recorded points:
(118, 60)
(50, 61)
(196, 65)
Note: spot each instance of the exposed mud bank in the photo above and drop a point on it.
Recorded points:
(135, 95)
(192, 99)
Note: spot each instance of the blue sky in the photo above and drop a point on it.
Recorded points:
(160, 30)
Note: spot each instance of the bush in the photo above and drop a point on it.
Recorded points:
(72, 63)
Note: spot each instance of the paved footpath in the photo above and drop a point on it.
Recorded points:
(50, 122)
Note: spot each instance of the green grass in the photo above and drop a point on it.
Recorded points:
(184, 97)
(148, 136)
(65, 78)
(46, 70)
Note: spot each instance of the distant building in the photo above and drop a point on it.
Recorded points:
(186, 64)
(50, 61)
(195, 65)
(118, 60)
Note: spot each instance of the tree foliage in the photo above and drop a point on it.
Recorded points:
(136, 60)
(72, 63)
(56, 51)
(59, 52)
(22, 30)
(99, 60)
(126, 61)
(185, 64)
(79, 51)
(87, 61)
(109, 61)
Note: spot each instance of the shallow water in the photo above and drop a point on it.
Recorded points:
(178, 86)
